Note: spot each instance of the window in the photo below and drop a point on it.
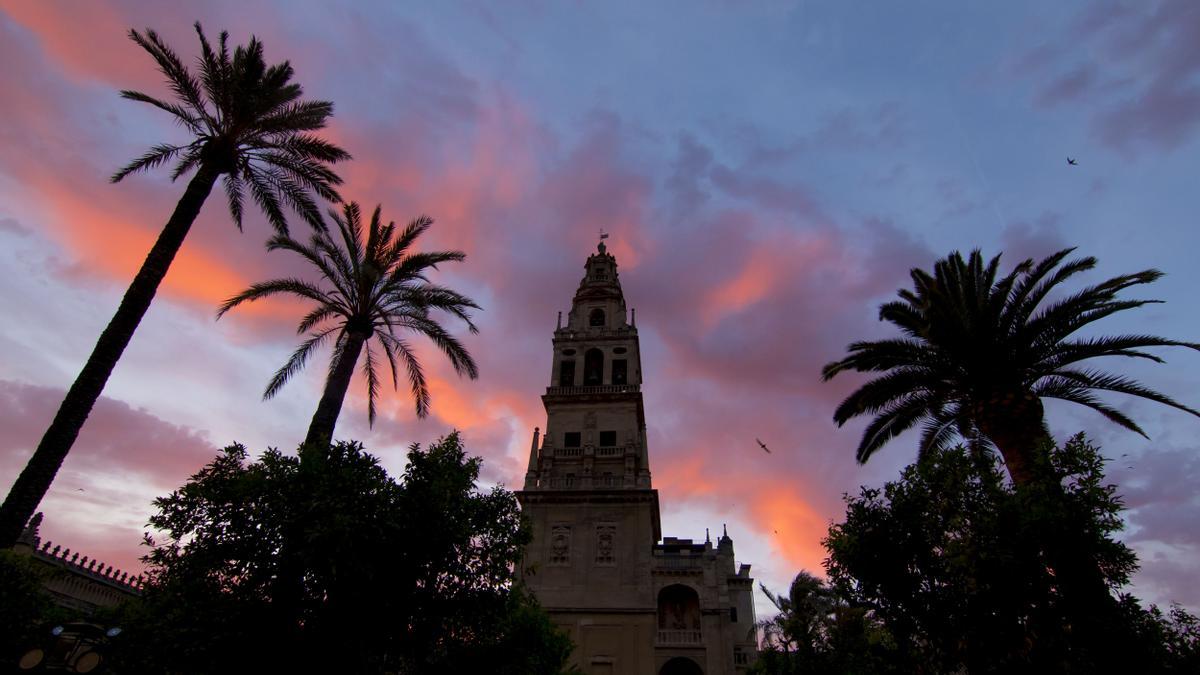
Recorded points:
(608, 439)
(596, 318)
(566, 373)
(620, 371)
(572, 439)
(733, 615)
(593, 367)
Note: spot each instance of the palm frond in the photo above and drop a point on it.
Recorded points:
(372, 377)
(181, 114)
(891, 422)
(179, 79)
(416, 376)
(154, 157)
(234, 195)
(296, 362)
(883, 391)
(456, 353)
(264, 289)
(262, 189)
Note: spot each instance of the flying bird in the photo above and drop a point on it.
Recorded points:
(1072, 161)
(763, 446)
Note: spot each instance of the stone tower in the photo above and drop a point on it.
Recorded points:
(634, 602)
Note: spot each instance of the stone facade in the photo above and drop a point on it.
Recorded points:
(634, 602)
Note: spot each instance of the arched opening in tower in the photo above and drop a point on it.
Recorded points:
(596, 318)
(593, 367)
(678, 609)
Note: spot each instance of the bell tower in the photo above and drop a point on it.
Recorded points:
(631, 605)
(596, 425)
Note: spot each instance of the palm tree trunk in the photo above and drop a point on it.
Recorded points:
(1015, 423)
(320, 430)
(31, 486)
(288, 595)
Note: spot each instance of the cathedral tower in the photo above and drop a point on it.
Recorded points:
(632, 605)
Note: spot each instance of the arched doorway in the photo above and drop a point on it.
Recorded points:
(680, 665)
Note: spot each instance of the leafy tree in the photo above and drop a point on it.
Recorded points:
(415, 576)
(980, 352)
(248, 124)
(26, 603)
(817, 632)
(948, 559)
(374, 288)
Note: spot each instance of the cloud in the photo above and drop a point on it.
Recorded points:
(1136, 69)
(11, 226)
(1036, 239)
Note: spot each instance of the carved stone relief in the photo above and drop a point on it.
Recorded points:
(606, 544)
(560, 545)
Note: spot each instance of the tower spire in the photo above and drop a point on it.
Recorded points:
(531, 472)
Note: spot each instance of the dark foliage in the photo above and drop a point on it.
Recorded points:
(414, 576)
(947, 559)
(818, 633)
(26, 606)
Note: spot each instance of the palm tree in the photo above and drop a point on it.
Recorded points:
(374, 288)
(980, 353)
(248, 124)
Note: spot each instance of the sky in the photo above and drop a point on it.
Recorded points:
(768, 173)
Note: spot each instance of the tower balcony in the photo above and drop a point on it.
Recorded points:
(595, 389)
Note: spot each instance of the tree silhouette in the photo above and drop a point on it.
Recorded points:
(817, 632)
(375, 288)
(948, 559)
(412, 574)
(249, 124)
(979, 353)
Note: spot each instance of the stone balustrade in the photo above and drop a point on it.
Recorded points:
(595, 389)
(57, 555)
(678, 562)
(680, 637)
